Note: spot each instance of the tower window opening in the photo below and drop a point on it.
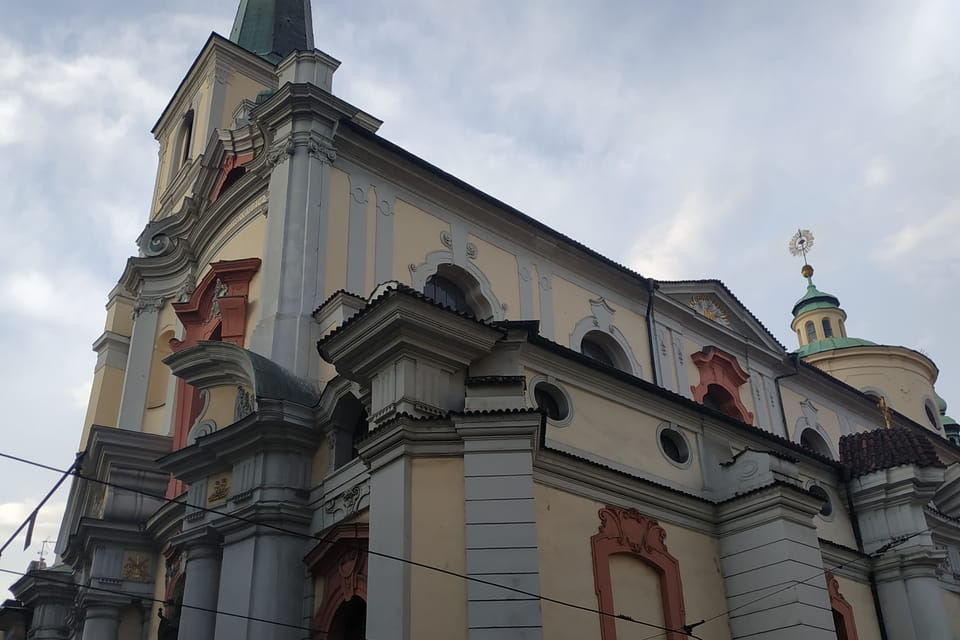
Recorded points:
(827, 328)
(811, 330)
(184, 140)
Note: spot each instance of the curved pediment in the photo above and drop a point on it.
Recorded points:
(211, 364)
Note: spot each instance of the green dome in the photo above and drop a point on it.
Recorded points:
(941, 403)
(830, 344)
(815, 299)
(949, 422)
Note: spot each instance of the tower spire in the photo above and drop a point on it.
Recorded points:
(273, 28)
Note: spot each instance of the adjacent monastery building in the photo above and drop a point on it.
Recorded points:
(341, 395)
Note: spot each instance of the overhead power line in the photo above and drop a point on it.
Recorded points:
(323, 539)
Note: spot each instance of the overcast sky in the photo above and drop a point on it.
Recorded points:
(684, 139)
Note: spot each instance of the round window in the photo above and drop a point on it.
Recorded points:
(674, 445)
(821, 493)
(552, 401)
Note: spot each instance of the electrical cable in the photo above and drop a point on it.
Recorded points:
(686, 631)
(894, 542)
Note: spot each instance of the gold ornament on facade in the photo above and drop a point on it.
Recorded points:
(136, 566)
(221, 489)
(705, 306)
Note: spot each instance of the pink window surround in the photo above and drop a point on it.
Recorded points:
(627, 531)
(216, 309)
(341, 562)
(721, 369)
(842, 610)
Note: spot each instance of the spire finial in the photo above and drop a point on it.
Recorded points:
(800, 244)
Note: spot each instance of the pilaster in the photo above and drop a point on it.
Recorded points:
(772, 567)
(201, 585)
(501, 530)
(101, 621)
(133, 401)
(890, 503)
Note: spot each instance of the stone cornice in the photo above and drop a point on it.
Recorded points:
(762, 345)
(607, 486)
(210, 364)
(220, 450)
(911, 357)
(409, 436)
(775, 502)
(303, 100)
(398, 324)
(845, 562)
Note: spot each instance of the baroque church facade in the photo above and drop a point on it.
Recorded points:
(341, 394)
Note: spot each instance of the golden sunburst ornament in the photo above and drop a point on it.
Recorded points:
(705, 306)
(800, 244)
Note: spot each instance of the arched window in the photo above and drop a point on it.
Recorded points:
(592, 348)
(350, 621)
(812, 440)
(811, 330)
(604, 349)
(349, 426)
(719, 399)
(827, 329)
(720, 380)
(339, 568)
(445, 291)
(183, 141)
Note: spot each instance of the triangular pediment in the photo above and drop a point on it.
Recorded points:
(710, 304)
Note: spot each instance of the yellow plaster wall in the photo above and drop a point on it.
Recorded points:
(104, 405)
(246, 242)
(693, 374)
(239, 87)
(338, 225)
(415, 234)
(636, 593)
(951, 604)
(904, 384)
(222, 402)
(571, 304)
(864, 615)
(500, 267)
(634, 328)
(623, 434)
(565, 523)
(838, 528)
(119, 317)
(535, 289)
(438, 603)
